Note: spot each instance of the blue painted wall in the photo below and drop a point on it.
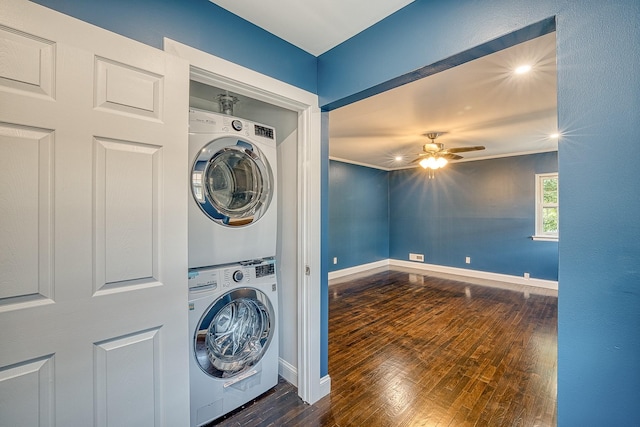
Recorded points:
(598, 102)
(483, 209)
(200, 24)
(423, 33)
(598, 45)
(358, 215)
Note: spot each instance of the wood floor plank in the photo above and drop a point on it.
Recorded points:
(406, 349)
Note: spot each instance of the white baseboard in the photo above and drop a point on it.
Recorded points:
(325, 385)
(288, 372)
(464, 272)
(477, 274)
(357, 269)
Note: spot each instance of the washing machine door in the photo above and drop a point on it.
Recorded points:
(231, 181)
(234, 332)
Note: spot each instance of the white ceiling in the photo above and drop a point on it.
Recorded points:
(313, 25)
(481, 102)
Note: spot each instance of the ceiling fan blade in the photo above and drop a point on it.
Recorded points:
(452, 156)
(464, 149)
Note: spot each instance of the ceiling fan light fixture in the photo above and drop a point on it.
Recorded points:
(433, 163)
(435, 156)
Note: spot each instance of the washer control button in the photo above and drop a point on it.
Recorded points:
(238, 276)
(237, 125)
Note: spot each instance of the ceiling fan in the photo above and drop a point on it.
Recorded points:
(435, 156)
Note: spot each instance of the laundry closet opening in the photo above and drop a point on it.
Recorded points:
(285, 122)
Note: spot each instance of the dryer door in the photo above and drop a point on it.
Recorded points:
(234, 332)
(231, 181)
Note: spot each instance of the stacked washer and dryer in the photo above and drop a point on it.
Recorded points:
(233, 293)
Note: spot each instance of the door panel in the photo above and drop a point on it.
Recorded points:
(127, 90)
(26, 393)
(126, 174)
(93, 196)
(28, 66)
(26, 212)
(127, 372)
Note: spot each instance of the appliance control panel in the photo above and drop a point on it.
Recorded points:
(201, 121)
(254, 272)
(203, 279)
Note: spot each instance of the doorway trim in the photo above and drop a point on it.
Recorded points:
(212, 70)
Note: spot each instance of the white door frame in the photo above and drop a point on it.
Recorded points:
(212, 70)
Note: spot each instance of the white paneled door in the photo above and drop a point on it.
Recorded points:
(93, 226)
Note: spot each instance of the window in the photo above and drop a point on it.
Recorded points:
(546, 207)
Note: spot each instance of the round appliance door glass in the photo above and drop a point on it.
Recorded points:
(234, 332)
(232, 185)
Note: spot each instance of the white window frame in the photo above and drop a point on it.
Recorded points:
(540, 234)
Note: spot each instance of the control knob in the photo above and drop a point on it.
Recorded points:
(238, 276)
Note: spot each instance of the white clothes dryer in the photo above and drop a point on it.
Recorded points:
(233, 204)
(233, 310)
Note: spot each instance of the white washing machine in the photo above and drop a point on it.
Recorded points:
(234, 336)
(233, 205)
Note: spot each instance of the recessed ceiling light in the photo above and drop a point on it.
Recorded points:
(554, 135)
(398, 158)
(523, 69)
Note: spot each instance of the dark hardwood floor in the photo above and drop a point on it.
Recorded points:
(406, 349)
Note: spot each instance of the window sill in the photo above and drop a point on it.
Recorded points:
(545, 238)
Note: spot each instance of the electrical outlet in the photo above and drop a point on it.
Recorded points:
(526, 275)
(335, 259)
(416, 257)
(468, 260)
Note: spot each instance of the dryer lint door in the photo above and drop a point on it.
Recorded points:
(232, 182)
